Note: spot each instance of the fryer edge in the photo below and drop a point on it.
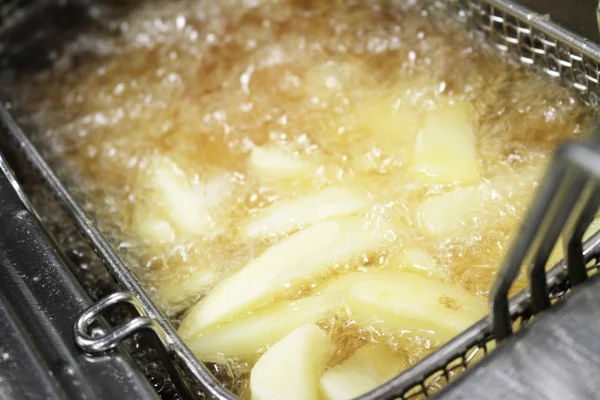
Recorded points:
(127, 281)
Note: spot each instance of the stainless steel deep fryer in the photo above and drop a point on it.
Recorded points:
(566, 203)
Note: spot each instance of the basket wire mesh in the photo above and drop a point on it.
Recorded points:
(534, 41)
(560, 207)
(568, 198)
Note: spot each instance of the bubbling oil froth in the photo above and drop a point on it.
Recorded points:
(202, 84)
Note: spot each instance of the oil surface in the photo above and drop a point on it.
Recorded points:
(193, 87)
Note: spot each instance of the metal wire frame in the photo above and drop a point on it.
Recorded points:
(563, 204)
(568, 199)
(534, 41)
(180, 353)
(567, 203)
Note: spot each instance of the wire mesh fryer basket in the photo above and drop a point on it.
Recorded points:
(533, 41)
(567, 202)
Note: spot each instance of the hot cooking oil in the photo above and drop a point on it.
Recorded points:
(249, 157)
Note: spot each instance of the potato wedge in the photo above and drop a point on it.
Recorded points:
(418, 260)
(445, 147)
(179, 292)
(400, 301)
(291, 262)
(177, 199)
(464, 209)
(179, 206)
(450, 213)
(389, 121)
(420, 303)
(291, 368)
(443, 310)
(267, 326)
(306, 210)
(271, 164)
(155, 231)
(369, 367)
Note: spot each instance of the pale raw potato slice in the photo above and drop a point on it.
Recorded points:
(179, 292)
(390, 121)
(178, 200)
(450, 213)
(291, 262)
(290, 370)
(156, 231)
(463, 209)
(271, 164)
(445, 147)
(419, 260)
(416, 305)
(247, 335)
(306, 210)
(369, 367)
(401, 301)
(416, 259)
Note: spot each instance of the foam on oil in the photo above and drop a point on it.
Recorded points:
(203, 83)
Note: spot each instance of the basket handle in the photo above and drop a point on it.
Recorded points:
(95, 344)
(566, 202)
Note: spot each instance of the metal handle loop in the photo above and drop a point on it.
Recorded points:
(110, 340)
(99, 344)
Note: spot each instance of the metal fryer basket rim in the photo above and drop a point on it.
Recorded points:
(398, 386)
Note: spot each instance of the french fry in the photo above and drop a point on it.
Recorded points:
(178, 205)
(463, 209)
(290, 370)
(416, 259)
(177, 293)
(369, 367)
(271, 165)
(399, 301)
(448, 214)
(389, 121)
(307, 210)
(301, 257)
(156, 231)
(178, 201)
(416, 303)
(445, 147)
(247, 335)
